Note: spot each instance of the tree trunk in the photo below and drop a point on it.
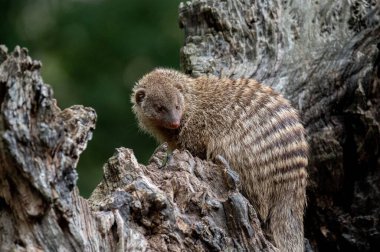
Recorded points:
(323, 56)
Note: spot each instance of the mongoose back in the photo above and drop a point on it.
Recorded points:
(254, 128)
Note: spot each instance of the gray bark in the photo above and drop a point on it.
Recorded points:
(324, 57)
(185, 204)
(40, 209)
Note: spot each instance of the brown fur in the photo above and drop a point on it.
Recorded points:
(255, 129)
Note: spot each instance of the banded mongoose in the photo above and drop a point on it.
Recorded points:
(254, 128)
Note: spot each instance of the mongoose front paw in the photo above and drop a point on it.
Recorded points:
(232, 177)
(161, 156)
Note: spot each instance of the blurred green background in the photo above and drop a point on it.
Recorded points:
(93, 51)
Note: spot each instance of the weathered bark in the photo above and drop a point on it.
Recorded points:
(40, 208)
(324, 57)
(187, 204)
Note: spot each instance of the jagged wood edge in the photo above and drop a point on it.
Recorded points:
(134, 207)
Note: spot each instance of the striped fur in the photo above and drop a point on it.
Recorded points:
(255, 129)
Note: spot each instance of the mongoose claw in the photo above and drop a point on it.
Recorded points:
(162, 148)
(167, 159)
(160, 156)
(233, 179)
(219, 159)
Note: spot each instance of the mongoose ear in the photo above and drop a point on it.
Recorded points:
(139, 95)
(179, 86)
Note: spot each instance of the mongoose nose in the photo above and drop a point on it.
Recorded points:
(174, 125)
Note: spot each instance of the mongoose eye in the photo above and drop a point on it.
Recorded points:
(140, 95)
(177, 107)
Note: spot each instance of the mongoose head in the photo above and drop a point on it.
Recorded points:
(158, 100)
